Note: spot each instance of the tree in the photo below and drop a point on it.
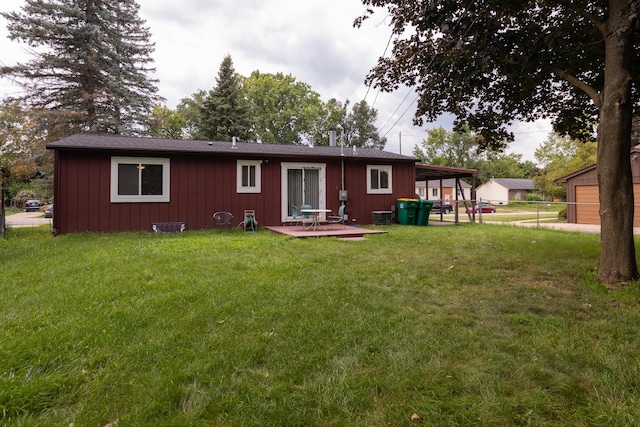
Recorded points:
(503, 165)
(89, 68)
(166, 123)
(560, 156)
(360, 129)
(225, 111)
(23, 150)
(190, 108)
(331, 117)
(285, 111)
(456, 149)
(494, 61)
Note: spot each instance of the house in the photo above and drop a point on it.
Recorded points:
(503, 190)
(443, 190)
(105, 183)
(583, 202)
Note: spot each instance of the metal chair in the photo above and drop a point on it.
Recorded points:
(295, 218)
(222, 219)
(341, 218)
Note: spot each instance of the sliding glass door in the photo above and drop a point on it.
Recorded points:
(303, 184)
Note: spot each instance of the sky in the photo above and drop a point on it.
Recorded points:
(312, 40)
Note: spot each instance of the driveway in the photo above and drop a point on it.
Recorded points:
(26, 219)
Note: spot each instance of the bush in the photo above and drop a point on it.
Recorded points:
(23, 196)
(533, 197)
(563, 214)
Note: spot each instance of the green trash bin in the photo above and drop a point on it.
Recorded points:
(406, 209)
(424, 210)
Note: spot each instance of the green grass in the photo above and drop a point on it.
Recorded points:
(470, 325)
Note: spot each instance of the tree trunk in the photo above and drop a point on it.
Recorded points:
(617, 257)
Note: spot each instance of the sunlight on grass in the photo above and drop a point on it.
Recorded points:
(464, 325)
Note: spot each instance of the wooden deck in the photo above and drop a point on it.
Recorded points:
(335, 230)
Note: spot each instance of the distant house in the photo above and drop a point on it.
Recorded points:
(583, 195)
(503, 190)
(106, 183)
(443, 190)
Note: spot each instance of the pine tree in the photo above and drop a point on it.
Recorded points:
(225, 112)
(90, 66)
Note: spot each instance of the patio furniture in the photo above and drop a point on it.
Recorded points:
(315, 216)
(341, 218)
(222, 219)
(295, 218)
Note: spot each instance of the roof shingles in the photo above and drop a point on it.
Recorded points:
(161, 145)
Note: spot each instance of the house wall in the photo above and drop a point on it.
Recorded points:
(200, 186)
(428, 192)
(493, 192)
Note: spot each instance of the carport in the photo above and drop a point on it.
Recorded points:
(426, 173)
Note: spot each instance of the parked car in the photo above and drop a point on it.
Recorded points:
(446, 207)
(32, 205)
(485, 207)
(48, 211)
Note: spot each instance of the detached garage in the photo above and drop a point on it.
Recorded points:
(583, 194)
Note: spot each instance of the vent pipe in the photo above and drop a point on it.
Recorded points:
(332, 138)
(233, 142)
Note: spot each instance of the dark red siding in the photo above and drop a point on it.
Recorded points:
(200, 186)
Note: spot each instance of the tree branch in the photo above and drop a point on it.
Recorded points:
(575, 82)
(600, 25)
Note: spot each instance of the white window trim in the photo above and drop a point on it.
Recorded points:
(166, 181)
(389, 170)
(258, 187)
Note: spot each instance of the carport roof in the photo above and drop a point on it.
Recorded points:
(431, 173)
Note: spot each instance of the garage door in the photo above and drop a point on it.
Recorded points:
(588, 204)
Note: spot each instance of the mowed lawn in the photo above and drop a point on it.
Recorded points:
(470, 325)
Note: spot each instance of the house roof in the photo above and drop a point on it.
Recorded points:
(566, 178)
(449, 183)
(516, 183)
(121, 143)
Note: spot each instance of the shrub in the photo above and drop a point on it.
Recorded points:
(563, 214)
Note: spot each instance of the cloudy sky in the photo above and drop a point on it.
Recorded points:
(313, 40)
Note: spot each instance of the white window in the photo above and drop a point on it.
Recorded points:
(379, 179)
(139, 179)
(248, 180)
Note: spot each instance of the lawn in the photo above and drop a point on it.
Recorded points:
(469, 325)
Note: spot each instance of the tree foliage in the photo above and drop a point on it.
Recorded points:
(443, 148)
(224, 112)
(559, 156)
(90, 66)
(284, 110)
(359, 127)
(494, 61)
(460, 149)
(166, 123)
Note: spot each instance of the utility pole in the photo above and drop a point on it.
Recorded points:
(400, 141)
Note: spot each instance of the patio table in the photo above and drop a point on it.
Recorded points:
(315, 217)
